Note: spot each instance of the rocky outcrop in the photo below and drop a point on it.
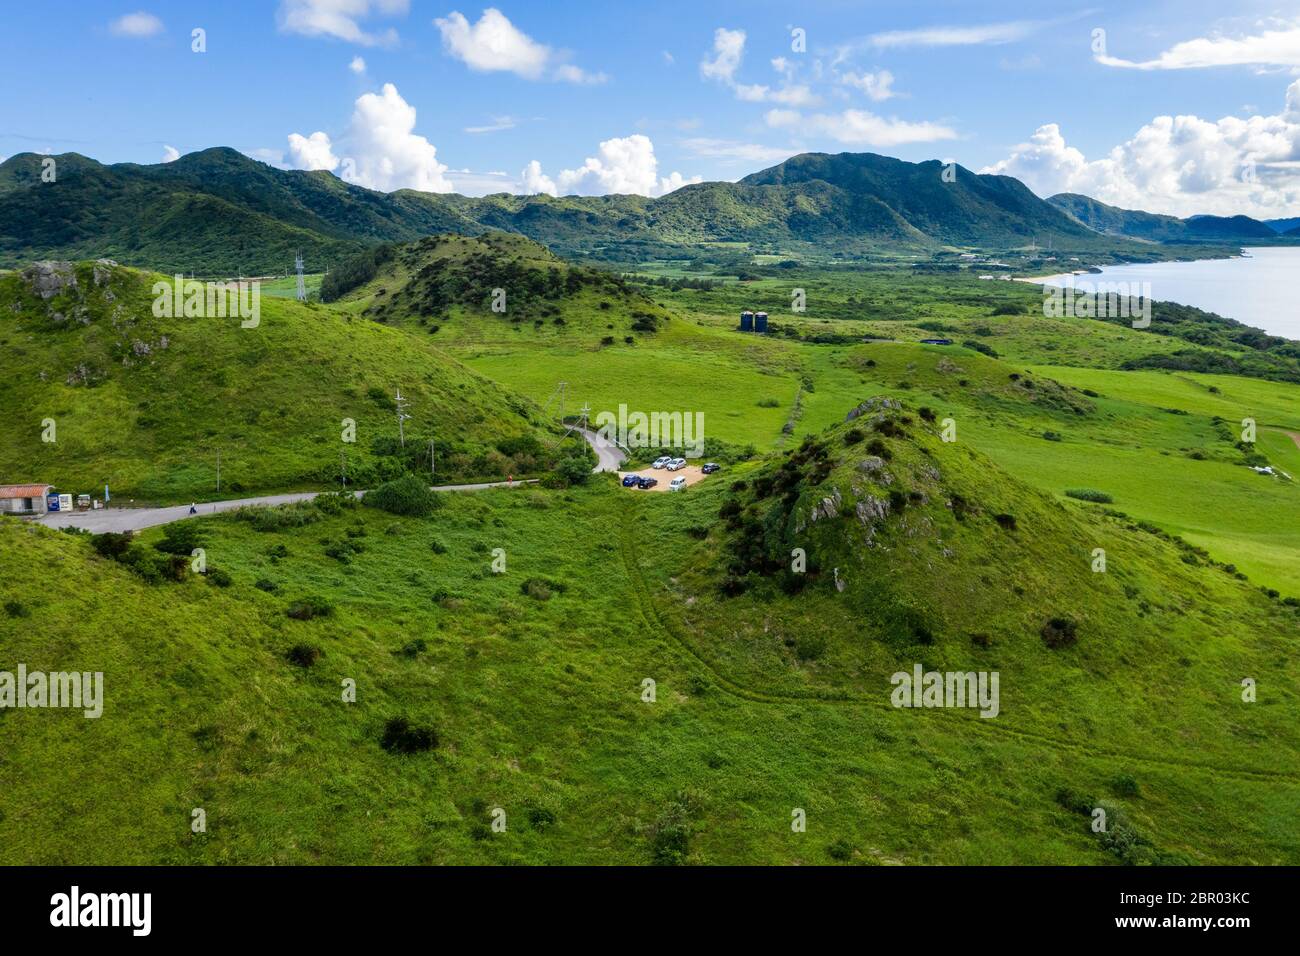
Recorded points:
(49, 278)
(876, 404)
(103, 271)
(828, 507)
(872, 510)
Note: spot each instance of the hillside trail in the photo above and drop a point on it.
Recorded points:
(992, 728)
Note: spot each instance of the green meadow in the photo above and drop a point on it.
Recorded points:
(500, 647)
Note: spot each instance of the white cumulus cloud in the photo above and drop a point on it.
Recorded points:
(138, 24)
(358, 65)
(339, 19)
(312, 152)
(170, 154)
(494, 44)
(380, 149)
(1178, 165)
(621, 165)
(536, 181)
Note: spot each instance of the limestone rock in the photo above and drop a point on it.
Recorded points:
(49, 278)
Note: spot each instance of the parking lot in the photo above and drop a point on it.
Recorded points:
(691, 473)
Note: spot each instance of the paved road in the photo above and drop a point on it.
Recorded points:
(137, 519)
(610, 455)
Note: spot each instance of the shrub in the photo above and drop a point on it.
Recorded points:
(437, 547)
(768, 403)
(267, 585)
(1052, 436)
(840, 850)
(17, 609)
(310, 607)
(1125, 786)
(853, 436)
(219, 577)
(180, 537)
(926, 413)
(303, 655)
(877, 447)
(402, 737)
(976, 346)
(1089, 494)
(1006, 521)
(573, 471)
(111, 544)
(408, 496)
(541, 589)
(1059, 632)
(809, 646)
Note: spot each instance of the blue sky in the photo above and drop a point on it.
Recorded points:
(1182, 108)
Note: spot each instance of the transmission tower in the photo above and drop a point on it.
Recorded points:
(302, 286)
(558, 393)
(402, 418)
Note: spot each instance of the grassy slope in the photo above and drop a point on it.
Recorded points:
(272, 398)
(536, 703)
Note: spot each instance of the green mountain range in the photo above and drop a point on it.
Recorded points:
(218, 212)
(1134, 224)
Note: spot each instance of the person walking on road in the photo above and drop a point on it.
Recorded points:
(194, 508)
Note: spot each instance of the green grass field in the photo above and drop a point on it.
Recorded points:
(771, 692)
(533, 679)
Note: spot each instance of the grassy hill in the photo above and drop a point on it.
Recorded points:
(145, 404)
(523, 691)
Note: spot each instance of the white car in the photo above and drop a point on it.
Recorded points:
(676, 464)
(677, 484)
(661, 462)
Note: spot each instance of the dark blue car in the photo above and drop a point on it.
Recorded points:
(630, 480)
(648, 482)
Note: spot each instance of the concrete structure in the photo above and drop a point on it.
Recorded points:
(747, 321)
(760, 321)
(23, 499)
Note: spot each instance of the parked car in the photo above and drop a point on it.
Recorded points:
(647, 482)
(677, 484)
(630, 480)
(710, 468)
(677, 464)
(661, 462)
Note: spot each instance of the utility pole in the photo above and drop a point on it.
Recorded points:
(402, 417)
(433, 464)
(218, 469)
(343, 467)
(302, 287)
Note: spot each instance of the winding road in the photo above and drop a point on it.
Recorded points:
(137, 519)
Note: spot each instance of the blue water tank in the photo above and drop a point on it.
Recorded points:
(747, 321)
(760, 321)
